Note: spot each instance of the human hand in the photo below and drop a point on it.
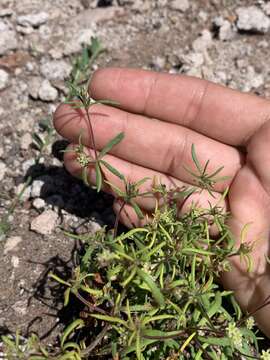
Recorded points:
(161, 116)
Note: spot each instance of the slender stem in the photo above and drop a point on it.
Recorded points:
(117, 220)
(97, 340)
(89, 305)
(91, 132)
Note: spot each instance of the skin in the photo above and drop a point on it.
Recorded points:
(162, 115)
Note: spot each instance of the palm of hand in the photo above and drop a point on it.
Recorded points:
(161, 116)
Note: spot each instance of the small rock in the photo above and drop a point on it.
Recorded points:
(47, 92)
(203, 42)
(26, 165)
(11, 244)
(3, 169)
(34, 20)
(224, 27)
(8, 38)
(41, 186)
(25, 141)
(266, 8)
(25, 30)
(45, 223)
(6, 12)
(252, 19)
(55, 70)
(4, 77)
(159, 62)
(181, 5)
(38, 203)
(20, 307)
(78, 40)
(34, 85)
(15, 261)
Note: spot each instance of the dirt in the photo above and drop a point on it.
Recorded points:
(145, 34)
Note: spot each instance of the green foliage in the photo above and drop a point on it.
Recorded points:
(151, 292)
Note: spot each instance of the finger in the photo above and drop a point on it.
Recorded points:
(213, 110)
(168, 146)
(133, 173)
(250, 206)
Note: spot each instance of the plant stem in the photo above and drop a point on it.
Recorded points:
(117, 219)
(91, 132)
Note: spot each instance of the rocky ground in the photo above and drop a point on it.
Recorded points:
(226, 41)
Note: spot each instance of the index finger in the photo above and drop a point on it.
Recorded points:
(213, 110)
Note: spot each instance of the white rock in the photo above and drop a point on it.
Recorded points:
(55, 69)
(252, 19)
(25, 30)
(15, 261)
(266, 8)
(27, 164)
(33, 86)
(181, 5)
(38, 184)
(3, 169)
(4, 77)
(6, 12)
(45, 223)
(78, 40)
(21, 307)
(38, 203)
(25, 141)
(11, 244)
(203, 42)
(34, 20)
(225, 29)
(8, 39)
(47, 92)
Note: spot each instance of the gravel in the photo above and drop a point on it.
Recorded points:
(45, 223)
(252, 19)
(181, 5)
(55, 69)
(8, 38)
(47, 92)
(34, 20)
(4, 79)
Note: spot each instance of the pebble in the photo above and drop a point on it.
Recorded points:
(180, 5)
(224, 27)
(3, 169)
(26, 165)
(203, 42)
(34, 20)
(11, 244)
(8, 38)
(78, 40)
(25, 141)
(38, 203)
(33, 86)
(252, 19)
(45, 223)
(55, 69)
(4, 77)
(47, 92)
(41, 186)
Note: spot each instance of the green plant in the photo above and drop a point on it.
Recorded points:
(150, 292)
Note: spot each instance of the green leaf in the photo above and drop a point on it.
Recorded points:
(112, 169)
(215, 341)
(58, 279)
(72, 345)
(195, 159)
(98, 176)
(137, 209)
(116, 140)
(66, 296)
(157, 294)
(85, 176)
(111, 319)
(77, 324)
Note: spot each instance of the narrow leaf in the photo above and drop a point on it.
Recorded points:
(157, 295)
(98, 176)
(116, 140)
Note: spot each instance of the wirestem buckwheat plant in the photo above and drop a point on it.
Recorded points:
(150, 292)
